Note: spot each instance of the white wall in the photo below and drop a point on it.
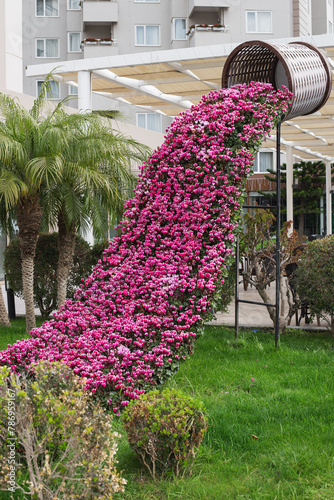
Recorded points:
(11, 15)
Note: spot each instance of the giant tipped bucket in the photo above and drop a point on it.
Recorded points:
(299, 66)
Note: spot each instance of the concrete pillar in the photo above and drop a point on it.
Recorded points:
(289, 182)
(84, 91)
(85, 104)
(328, 198)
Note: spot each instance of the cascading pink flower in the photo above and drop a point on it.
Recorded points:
(137, 315)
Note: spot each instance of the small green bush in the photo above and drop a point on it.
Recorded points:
(66, 444)
(165, 430)
(314, 279)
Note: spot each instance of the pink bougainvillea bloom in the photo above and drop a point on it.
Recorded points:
(137, 316)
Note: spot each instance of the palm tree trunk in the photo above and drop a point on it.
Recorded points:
(4, 320)
(29, 216)
(66, 237)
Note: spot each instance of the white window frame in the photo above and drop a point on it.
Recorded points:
(145, 44)
(68, 42)
(146, 114)
(46, 57)
(50, 98)
(147, 1)
(75, 10)
(256, 12)
(70, 87)
(174, 28)
(44, 15)
(258, 160)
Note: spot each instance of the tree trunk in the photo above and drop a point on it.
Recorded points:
(29, 216)
(267, 300)
(4, 320)
(301, 219)
(66, 251)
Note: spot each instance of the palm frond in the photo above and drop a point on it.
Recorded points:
(12, 188)
(45, 170)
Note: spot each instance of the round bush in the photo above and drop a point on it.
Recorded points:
(165, 430)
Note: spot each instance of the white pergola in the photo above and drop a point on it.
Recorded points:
(173, 80)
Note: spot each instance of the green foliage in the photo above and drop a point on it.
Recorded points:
(67, 446)
(226, 290)
(314, 278)
(45, 274)
(309, 180)
(289, 407)
(165, 430)
(96, 252)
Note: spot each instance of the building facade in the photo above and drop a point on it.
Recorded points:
(59, 30)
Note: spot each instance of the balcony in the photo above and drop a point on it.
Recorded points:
(99, 48)
(207, 35)
(99, 12)
(207, 5)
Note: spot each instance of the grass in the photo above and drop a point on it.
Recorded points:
(9, 335)
(289, 408)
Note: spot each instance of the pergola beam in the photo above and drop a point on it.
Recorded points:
(140, 86)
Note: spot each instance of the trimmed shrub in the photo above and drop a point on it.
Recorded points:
(45, 272)
(66, 444)
(314, 279)
(165, 430)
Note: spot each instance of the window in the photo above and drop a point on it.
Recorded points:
(47, 47)
(73, 90)
(73, 5)
(147, 35)
(74, 41)
(47, 8)
(330, 27)
(150, 121)
(55, 94)
(258, 22)
(264, 160)
(180, 29)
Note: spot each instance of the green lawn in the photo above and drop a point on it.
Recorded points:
(289, 407)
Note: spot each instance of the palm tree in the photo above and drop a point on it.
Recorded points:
(30, 158)
(43, 149)
(96, 179)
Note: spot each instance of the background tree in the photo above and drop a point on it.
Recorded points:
(309, 180)
(314, 279)
(259, 247)
(31, 157)
(45, 265)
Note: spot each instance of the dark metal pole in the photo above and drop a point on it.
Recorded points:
(10, 301)
(278, 230)
(236, 316)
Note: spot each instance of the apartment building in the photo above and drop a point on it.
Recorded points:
(58, 30)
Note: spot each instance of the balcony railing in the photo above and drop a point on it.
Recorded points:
(99, 48)
(100, 11)
(207, 27)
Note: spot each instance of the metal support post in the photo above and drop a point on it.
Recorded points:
(236, 317)
(278, 231)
